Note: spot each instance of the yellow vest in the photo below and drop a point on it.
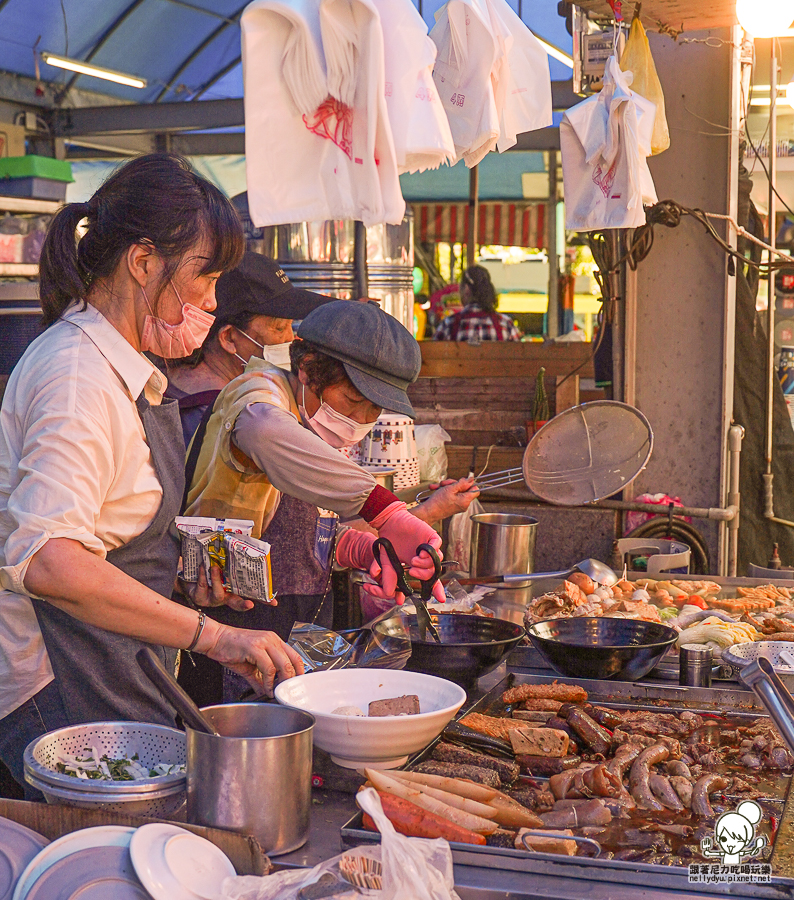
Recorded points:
(226, 483)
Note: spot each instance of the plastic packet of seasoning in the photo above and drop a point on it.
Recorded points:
(247, 571)
(189, 527)
(383, 643)
(213, 551)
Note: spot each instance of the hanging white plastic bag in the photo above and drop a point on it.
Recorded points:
(430, 141)
(410, 868)
(467, 51)
(333, 161)
(459, 539)
(521, 79)
(605, 142)
(431, 452)
(419, 126)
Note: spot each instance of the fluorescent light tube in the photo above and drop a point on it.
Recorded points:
(83, 68)
(556, 53)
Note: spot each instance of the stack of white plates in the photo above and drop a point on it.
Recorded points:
(159, 861)
(18, 846)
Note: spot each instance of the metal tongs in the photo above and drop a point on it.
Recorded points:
(491, 481)
(765, 682)
(418, 598)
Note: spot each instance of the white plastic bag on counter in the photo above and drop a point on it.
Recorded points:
(605, 142)
(431, 452)
(411, 868)
(459, 540)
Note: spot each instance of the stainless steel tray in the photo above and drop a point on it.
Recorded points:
(661, 696)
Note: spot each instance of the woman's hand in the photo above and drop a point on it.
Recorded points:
(215, 594)
(448, 498)
(261, 657)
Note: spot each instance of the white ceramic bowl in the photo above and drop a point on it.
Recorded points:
(382, 742)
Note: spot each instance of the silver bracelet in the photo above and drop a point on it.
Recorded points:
(199, 628)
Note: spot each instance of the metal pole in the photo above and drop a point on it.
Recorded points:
(735, 437)
(360, 260)
(474, 215)
(615, 290)
(769, 508)
(553, 314)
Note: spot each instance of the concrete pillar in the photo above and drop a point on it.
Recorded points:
(683, 331)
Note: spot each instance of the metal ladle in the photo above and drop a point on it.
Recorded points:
(599, 572)
(161, 678)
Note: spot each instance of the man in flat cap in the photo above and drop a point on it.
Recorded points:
(271, 453)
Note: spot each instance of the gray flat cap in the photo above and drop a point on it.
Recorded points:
(379, 354)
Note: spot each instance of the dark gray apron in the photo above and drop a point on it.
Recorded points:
(96, 670)
(301, 555)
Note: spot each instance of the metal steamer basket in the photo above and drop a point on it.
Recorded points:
(581, 876)
(160, 796)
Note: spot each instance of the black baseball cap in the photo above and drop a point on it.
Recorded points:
(380, 356)
(259, 286)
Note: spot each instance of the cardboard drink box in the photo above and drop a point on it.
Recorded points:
(53, 821)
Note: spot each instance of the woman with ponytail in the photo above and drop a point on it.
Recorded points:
(478, 320)
(92, 457)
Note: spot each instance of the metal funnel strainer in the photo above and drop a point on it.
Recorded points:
(587, 453)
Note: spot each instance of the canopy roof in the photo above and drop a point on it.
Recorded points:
(185, 49)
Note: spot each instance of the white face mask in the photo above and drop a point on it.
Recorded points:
(275, 354)
(335, 429)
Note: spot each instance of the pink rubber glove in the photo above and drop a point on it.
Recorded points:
(406, 533)
(354, 551)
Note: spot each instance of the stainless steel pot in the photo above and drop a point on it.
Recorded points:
(255, 776)
(502, 544)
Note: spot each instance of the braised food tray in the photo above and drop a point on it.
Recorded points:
(659, 697)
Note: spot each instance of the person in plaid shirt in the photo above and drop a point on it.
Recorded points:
(478, 320)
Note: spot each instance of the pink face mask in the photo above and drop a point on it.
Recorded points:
(175, 341)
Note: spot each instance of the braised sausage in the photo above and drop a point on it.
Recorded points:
(565, 693)
(596, 737)
(606, 717)
(545, 766)
(705, 785)
(640, 773)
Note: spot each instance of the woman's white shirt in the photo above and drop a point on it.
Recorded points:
(74, 463)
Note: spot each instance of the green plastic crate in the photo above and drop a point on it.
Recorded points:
(32, 166)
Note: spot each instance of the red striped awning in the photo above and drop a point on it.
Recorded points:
(507, 224)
